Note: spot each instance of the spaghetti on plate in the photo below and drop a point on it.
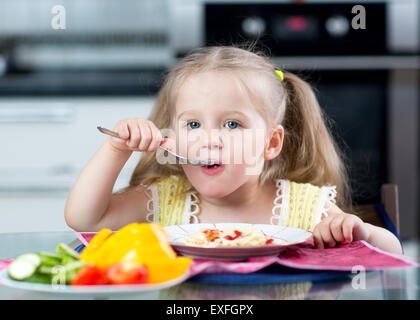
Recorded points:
(230, 237)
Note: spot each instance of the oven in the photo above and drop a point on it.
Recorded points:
(361, 59)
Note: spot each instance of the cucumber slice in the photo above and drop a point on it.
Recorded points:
(68, 269)
(39, 278)
(62, 273)
(30, 257)
(49, 259)
(64, 249)
(49, 254)
(24, 266)
(46, 270)
(76, 265)
(66, 259)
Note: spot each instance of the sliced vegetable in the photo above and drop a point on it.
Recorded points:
(90, 275)
(161, 270)
(137, 253)
(149, 237)
(68, 272)
(24, 266)
(127, 273)
(66, 259)
(72, 269)
(46, 269)
(39, 278)
(60, 273)
(142, 243)
(30, 257)
(76, 265)
(49, 259)
(64, 249)
(95, 243)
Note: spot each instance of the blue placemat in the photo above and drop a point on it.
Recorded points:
(270, 274)
(79, 248)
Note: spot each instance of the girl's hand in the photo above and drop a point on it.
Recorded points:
(139, 135)
(340, 228)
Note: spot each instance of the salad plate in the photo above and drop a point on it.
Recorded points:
(89, 290)
(282, 237)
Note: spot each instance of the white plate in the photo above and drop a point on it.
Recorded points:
(95, 291)
(288, 236)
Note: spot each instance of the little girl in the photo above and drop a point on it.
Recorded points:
(297, 176)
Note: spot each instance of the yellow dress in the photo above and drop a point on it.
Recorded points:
(297, 205)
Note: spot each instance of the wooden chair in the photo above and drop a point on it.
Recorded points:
(368, 213)
(389, 199)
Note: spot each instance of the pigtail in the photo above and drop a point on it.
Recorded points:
(309, 153)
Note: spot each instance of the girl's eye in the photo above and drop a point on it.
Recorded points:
(193, 125)
(231, 125)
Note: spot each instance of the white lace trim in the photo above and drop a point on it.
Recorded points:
(152, 205)
(281, 202)
(327, 198)
(191, 200)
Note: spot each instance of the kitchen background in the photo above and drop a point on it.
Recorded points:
(57, 85)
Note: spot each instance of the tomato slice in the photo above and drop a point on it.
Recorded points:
(90, 275)
(127, 273)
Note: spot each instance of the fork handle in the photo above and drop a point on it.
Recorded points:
(109, 132)
(181, 159)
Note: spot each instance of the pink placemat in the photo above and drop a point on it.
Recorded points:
(304, 256)
(343, 258)
(4, 264)
(85, 237)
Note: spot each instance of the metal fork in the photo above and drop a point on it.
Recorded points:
(181, 159)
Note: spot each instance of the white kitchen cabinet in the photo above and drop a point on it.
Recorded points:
(45, 144)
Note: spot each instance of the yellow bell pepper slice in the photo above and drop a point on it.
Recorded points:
(144, 243)
(164, 270)
(95, 243)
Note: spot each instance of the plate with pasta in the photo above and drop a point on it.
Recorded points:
(233, 241)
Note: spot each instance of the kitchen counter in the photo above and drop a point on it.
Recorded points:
(82, 83)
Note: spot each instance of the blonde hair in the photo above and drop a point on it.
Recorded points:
(309, 154)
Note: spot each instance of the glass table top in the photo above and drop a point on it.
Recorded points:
(393, 284)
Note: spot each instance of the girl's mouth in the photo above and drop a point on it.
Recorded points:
(213, 169)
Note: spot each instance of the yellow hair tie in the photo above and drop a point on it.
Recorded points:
(280, 74)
